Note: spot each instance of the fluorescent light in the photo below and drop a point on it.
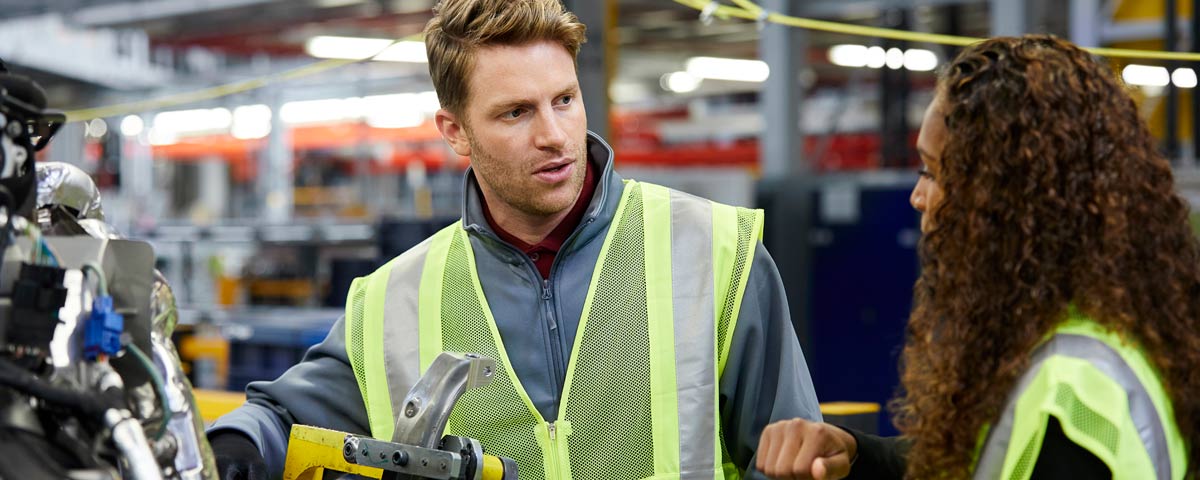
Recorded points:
(180, 122)
(251, 121)
(876, 57)
(915, 59)
(401, 110)
(320, 111)
(895, 58)
(920, 60)
(680, 82)
(1146, 75)
(132, 125)
(1184, 78)
(848, 55)
(728, 69)
(357, 48)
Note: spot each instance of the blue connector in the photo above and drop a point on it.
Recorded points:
(102, 335)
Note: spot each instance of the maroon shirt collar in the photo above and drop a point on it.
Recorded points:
(554, 241)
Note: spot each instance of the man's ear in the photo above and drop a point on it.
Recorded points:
(454, 131)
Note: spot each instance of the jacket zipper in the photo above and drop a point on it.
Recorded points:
(560, 364)
(556, 352)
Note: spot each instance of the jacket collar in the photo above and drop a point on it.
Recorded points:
(600, 211)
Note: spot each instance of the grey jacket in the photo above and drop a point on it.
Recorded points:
(765, 379)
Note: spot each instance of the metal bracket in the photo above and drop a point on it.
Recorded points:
(428, 405)
(425, 463)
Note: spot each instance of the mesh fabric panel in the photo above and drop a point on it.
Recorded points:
(745, 226)
(1085, 419)
(1081, 418)
(495, 414)
(612, 371)
(358, 299)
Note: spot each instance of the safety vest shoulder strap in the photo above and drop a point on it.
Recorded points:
(387, 296)
(1090, 381)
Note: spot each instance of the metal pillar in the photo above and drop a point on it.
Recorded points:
(782, 47)
(1195, 47)
(1171, 142)
(1084, 22)
(1009, 17)
(597, 58)
(275, 177)
(953, 15)
(896, 87)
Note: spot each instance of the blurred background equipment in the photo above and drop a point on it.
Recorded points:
(90, 384)
(268, 166)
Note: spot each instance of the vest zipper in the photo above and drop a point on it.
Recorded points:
(556, 449)
(555, 468)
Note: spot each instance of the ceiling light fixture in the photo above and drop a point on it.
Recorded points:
(731, 69)
(1146, 75)
(358, 48)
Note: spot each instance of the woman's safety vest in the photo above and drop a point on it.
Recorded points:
(1106, 395)
(641, 392)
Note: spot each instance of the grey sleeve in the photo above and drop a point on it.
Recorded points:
(766, 378)
(321, 391)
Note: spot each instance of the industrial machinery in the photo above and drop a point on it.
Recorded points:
(90, 385)
(417, 449)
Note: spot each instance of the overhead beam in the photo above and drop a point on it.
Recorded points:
(141, 11)
(116, 59)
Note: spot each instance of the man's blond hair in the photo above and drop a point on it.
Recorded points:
(460, 27)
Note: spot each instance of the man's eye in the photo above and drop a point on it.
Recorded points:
(515, 113)
(566, 99)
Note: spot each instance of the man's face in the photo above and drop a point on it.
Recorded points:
(524, 128)
(927, 195)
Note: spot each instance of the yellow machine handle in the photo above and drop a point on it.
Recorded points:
(312, 451)
(493, 468)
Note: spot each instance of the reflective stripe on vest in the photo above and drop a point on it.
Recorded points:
(641, 398)
(1097, 388)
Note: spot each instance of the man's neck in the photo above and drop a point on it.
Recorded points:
(530, 229)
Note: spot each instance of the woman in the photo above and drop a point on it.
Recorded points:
(1055, 329)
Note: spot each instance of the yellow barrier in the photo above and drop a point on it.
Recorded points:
(750, 11)
(849, 408)
(214, 403)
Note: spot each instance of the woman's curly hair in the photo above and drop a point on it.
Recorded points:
(1054, 194)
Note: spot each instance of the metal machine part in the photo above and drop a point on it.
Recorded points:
(69, 203)
(417, 450)
(68, 186)
(428, 405)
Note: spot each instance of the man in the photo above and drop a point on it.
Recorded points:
(638, 331)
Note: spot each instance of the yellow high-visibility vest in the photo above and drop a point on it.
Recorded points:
(641, 394)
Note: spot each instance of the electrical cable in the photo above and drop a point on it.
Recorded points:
(159, 386)
(101, 282)
(25, 382)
